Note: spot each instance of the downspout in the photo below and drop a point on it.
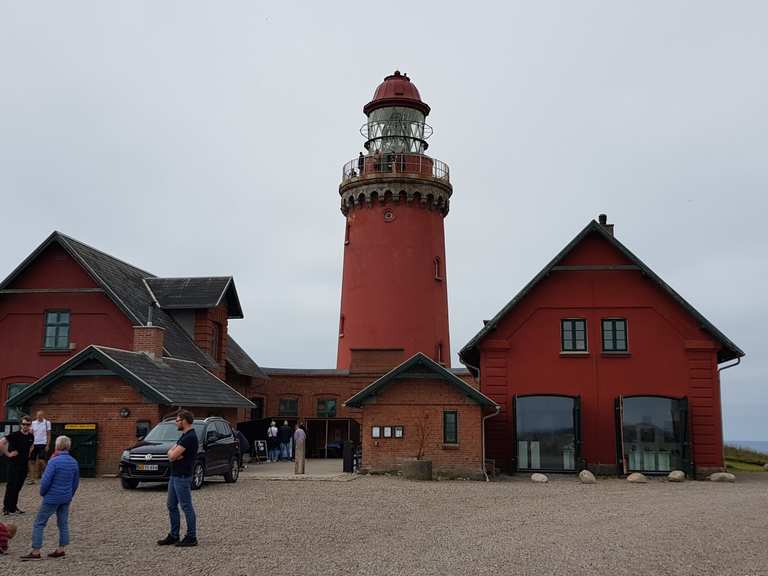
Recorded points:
(482, 424)
(719, 385)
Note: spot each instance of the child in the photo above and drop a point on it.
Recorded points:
(7, 531)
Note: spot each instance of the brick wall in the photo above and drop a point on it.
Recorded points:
(99, 399)
(421, 403)
(149, 339)
(204, 322)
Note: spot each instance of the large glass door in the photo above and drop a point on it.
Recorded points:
(547, 432)
(654, 433)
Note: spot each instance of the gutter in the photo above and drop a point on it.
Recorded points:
(482, 424)
(722, 432)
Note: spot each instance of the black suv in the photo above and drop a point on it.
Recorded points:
(147, 461)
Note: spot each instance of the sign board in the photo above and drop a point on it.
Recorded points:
(260, 449)
(80, 427)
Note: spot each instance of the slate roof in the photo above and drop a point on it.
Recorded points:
(419, 366)
(167, 381)
(124, 284)
(242, 363)
(469, 354)
(190, 293)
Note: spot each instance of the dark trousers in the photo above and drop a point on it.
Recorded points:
(16, 477)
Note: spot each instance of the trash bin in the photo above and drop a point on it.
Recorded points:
(347, 454)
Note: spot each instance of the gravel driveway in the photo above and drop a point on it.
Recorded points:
(379, 525)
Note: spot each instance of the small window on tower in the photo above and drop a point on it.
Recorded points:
(216, 341)
(438, 270)
(346, 235)
(439, 353)
(341, 326)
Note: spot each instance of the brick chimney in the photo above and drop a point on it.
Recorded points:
(603, 219)
(149, 339)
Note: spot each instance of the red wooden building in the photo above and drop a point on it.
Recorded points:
(597, 362)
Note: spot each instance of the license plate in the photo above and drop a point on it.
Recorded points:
(147, 467)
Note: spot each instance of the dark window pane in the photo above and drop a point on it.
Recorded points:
(546, 433)
(326, 408)
(450, 428)
(654, 433)
(257, 412)
(288, 407)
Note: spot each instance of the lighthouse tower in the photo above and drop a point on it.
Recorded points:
(394, 291)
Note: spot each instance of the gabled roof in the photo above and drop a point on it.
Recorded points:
(167, 381)
(125, 285)
(469, 354)
(192, 293)
(419, 366)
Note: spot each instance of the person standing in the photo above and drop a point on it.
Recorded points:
(182, 456)
(19, 448)
(273, 444)
(57, 487)
(360, 163)
(243, 444)
(41, 432)
(299, 444)
(284, 434)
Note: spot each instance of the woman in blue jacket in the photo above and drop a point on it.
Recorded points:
(58, 487)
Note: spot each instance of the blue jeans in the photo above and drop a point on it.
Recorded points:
(62, 520)
(285, 450)
(180, 493)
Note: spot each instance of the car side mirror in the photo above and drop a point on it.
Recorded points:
(140, 438)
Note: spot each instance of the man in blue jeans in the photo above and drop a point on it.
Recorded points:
(182, 456)
(58, 487)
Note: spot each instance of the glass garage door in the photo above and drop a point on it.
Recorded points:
(547, 432)
(653, 433)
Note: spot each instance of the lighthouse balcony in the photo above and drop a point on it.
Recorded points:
(390, 164)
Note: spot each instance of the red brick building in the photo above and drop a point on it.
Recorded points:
(597, 362)
(420, 410)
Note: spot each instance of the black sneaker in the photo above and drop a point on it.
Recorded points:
(187, 541)
(168, 541)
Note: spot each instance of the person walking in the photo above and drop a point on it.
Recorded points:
(284, 434)
(182, 456)
(273, 444)
(19, 448)
(57, 487)
(243, 444)
(41, 432)
(299, 443)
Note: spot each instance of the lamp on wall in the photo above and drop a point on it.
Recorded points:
(125, 412)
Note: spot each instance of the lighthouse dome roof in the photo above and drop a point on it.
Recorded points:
(397, 90)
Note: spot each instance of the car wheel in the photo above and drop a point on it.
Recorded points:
(198, 476)
(234, 471)
(129, 483)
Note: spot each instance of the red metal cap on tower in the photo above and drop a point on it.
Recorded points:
(396, 90)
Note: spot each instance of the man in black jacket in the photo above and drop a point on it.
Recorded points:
(19, 448)
(285, 434)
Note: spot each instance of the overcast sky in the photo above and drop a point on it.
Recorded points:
(207, 138)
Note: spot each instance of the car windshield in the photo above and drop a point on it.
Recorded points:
(167, 432)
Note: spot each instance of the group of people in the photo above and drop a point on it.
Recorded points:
(61, 478)
(281, 441)
(27, 450)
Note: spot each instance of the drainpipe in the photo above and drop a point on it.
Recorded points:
(722, 433)
(498, 409)
(482, 424)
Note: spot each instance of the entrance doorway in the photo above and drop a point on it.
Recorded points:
(326, 436)
(653, 434)
(547, 433)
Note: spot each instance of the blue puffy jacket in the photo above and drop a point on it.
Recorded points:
(61, 479)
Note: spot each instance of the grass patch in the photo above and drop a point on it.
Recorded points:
(744, 459)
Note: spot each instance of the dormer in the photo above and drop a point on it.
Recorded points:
(203, 307)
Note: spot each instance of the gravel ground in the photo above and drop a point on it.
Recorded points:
(380, 525)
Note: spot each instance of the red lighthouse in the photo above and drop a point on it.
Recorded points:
(395, 197)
